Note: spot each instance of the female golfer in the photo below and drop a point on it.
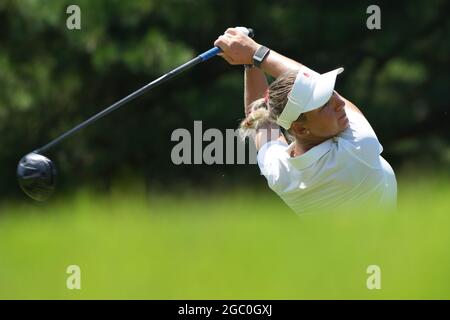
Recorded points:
(334, 157)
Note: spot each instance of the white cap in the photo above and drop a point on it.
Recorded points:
(310, 91)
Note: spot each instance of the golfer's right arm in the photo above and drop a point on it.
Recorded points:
(255, 86)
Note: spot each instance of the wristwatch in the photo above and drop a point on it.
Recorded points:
(260, 55)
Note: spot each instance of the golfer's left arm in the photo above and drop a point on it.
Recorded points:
(238, 48)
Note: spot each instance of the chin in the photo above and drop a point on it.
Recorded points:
(342, 129)
(343, 126)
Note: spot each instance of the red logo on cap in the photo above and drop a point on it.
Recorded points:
(306, 74)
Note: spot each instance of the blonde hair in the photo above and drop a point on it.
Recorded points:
(264, 113)
(259, 116)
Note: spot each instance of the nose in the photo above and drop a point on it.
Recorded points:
(339, 103)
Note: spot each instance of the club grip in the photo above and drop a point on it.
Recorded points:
(210, 53)
(214, 51)
(247, 31)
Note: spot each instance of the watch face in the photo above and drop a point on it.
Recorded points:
(259, 56)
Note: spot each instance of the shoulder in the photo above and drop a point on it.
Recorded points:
(274, 165)
(272, 152)
(361, 137)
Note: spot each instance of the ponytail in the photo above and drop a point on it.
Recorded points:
(258, 117)
(261, 115)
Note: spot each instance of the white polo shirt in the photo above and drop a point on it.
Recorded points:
(345, 170)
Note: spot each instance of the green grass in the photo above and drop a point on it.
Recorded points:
(238, 245)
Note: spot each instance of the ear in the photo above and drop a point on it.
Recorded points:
(298, 128)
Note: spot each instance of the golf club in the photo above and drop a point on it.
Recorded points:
(37, 174)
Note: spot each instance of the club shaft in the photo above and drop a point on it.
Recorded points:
(203, 57)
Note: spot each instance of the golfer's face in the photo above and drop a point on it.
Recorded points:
(328, 120)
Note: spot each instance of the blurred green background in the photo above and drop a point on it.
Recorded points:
(140, 226)
(232, 245)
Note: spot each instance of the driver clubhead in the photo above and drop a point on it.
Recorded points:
(37, 176)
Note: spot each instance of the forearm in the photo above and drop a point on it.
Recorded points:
(276, 64)
(255, 86)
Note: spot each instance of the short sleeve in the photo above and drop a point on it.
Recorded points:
(362, 139)
(272, 161)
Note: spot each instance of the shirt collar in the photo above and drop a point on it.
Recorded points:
(311, 156)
